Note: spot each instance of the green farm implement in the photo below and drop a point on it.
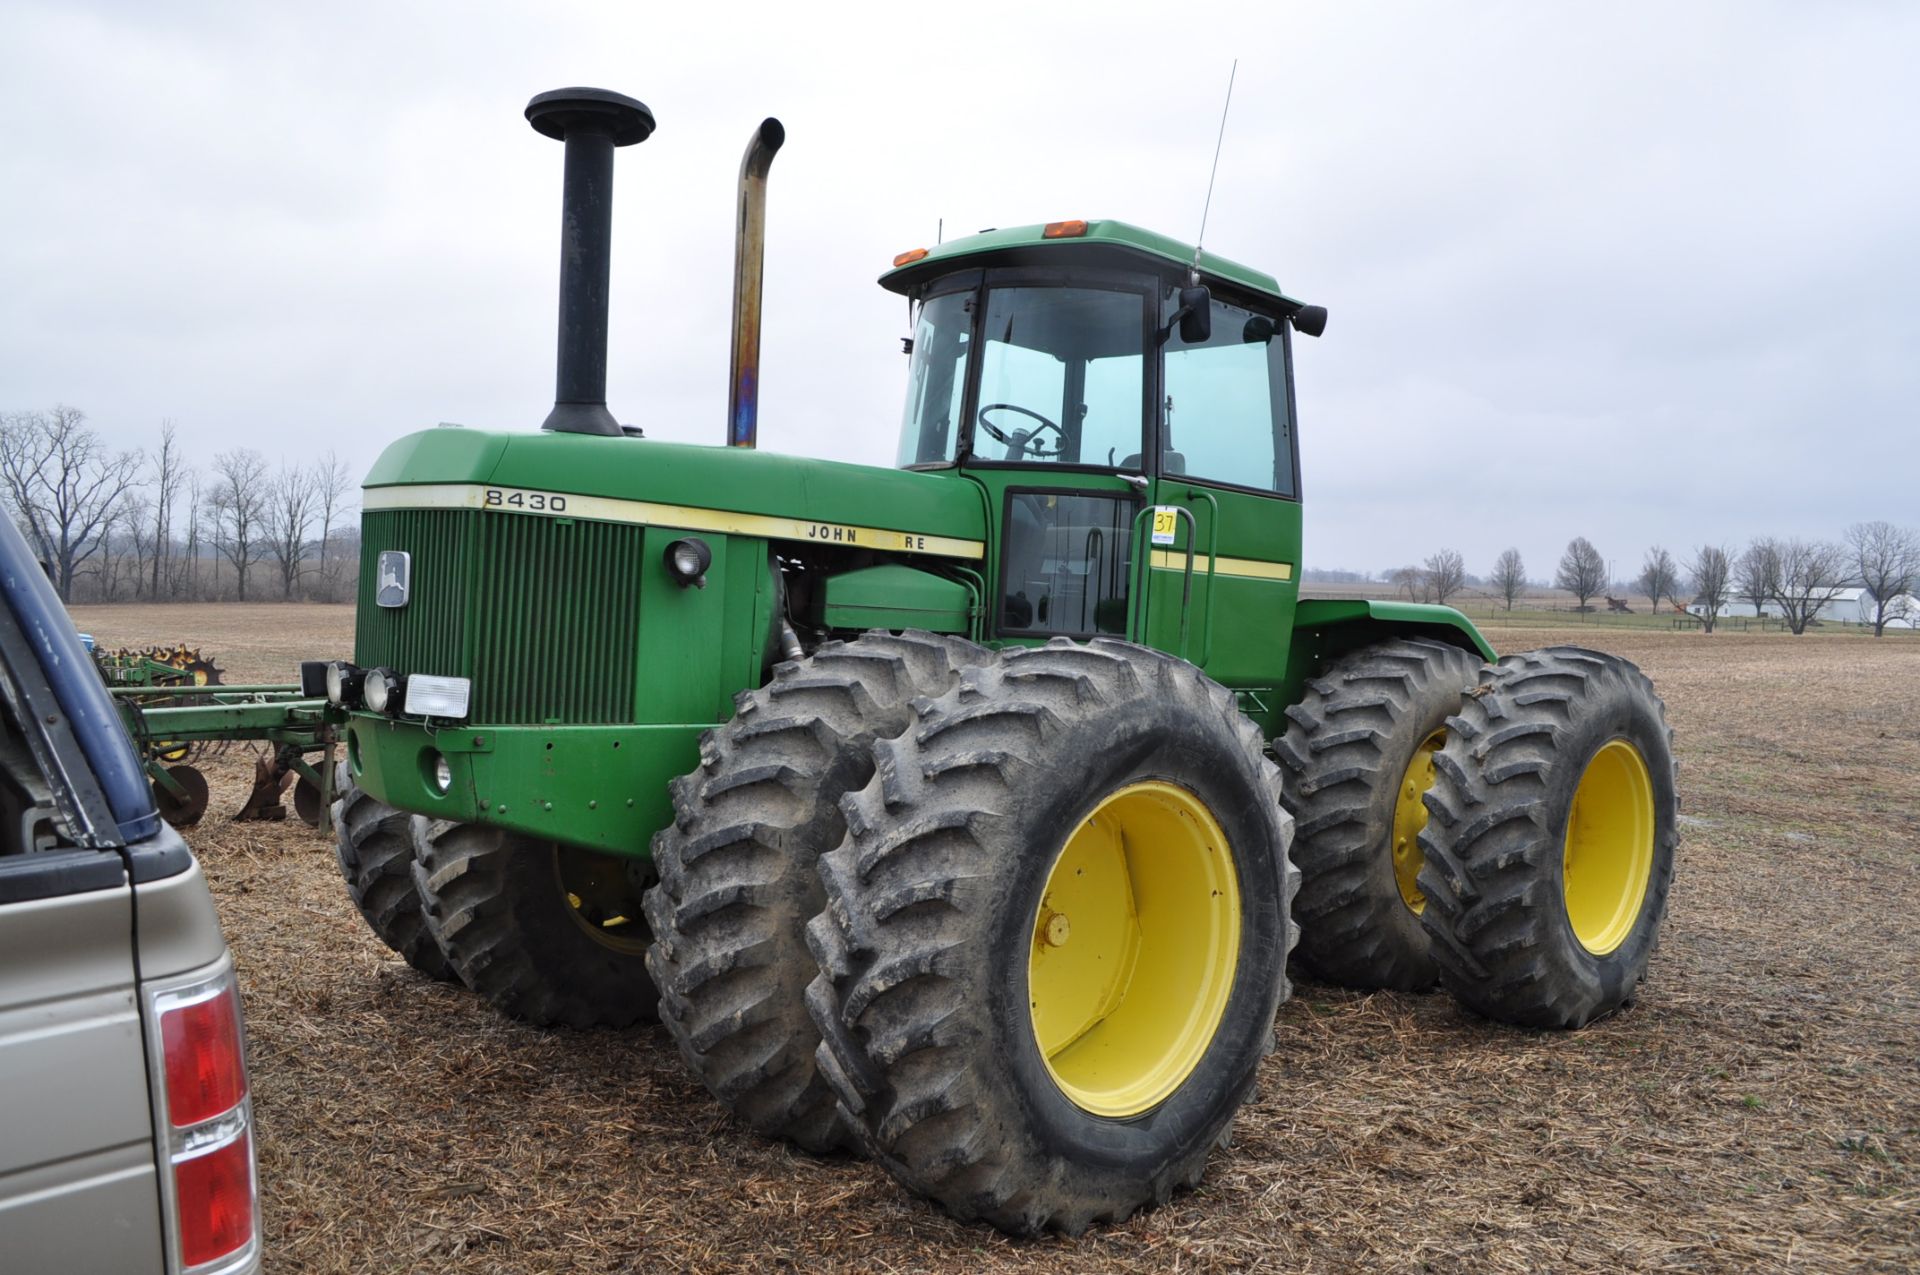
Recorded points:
(965, 813)
(172, 723)
(178, 665)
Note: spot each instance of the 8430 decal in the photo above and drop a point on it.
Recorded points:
(538, 502)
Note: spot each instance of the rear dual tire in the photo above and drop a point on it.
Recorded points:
(1550, 851)
(1356, 758)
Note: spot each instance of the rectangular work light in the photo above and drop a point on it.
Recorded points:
(429, 696)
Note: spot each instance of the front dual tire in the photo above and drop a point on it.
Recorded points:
(547, 934)
(738, 879)
(1055, 936)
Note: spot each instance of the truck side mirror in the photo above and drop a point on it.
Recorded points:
(1196, 315)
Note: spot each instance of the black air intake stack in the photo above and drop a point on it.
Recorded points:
(591, 122)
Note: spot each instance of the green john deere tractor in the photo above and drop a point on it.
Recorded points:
(965, 813)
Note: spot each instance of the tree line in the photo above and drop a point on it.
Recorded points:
(1799, 578)
(150, 525)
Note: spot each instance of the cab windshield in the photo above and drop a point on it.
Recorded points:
(1061, 377)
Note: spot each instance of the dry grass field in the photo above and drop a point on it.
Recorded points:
(1759, 1109)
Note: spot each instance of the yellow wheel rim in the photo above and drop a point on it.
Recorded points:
(1133, 949)
(1609, 851)
(1409, 817)
(600, 899)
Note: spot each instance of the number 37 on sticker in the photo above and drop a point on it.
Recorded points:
(1165, 519)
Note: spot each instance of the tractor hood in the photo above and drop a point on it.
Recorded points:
(683, 485)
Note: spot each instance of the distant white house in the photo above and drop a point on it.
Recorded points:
(1852, 605)
(1736, 610)
(1903, 612)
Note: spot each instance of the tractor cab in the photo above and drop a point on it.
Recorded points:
(1085, 373)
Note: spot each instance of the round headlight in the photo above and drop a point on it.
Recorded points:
(442, 773)
(688, 560)
(378, 689)
(343, 683)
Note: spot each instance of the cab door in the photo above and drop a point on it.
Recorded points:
(1224, 548)
(1056, 410)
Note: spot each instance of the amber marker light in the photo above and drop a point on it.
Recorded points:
(1064, 229)
(909, 257)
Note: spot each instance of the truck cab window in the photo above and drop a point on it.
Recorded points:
(1067, 563)
(1061, 377)
(937, 380)
(1226, 404)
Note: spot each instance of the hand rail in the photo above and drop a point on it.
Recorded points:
(1095, 552)
(1213, 560)
(1143, 571)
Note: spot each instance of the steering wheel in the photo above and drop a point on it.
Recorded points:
(1023, 444)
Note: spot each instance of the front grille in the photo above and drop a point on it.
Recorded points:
(429, 634)
(542, 613)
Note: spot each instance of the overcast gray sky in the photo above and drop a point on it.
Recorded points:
(1642, 272)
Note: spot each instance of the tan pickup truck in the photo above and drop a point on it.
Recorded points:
(126, 1128)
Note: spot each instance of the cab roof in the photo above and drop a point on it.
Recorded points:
(1029, 245)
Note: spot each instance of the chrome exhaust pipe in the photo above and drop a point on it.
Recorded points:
(749, 258)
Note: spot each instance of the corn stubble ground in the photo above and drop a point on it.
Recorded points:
(1758, 1109)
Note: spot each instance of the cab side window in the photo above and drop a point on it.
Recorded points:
(1225, 410)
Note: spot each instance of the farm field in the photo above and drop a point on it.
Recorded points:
(1759, 1109)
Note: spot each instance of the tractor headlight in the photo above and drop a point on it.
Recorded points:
(343, 683)
(382, 688)
(442, 773)
(429, 696)
(687, 561)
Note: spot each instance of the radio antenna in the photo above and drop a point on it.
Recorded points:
(1214, 172)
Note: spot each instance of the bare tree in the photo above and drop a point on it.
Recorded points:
(1446, 573)
(1510, 576)
(239, 500)
(1756, 574)
(1712, 574)
(64, 485)
(1412, 579)
(1659, 577)
(1583, 572)
(1886, 558)
(186, 577)
(164, 470)
(332, 481)
(1812, 573)
(136, 537)
(289, 508)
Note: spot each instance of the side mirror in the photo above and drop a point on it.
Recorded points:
(1196, 315)
(1310, 320)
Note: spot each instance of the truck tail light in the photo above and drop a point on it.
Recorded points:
(206, 1075)
(206, 1122)
(213, 1197)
